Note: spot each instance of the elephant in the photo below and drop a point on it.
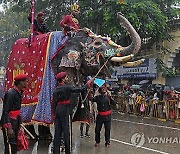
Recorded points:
(84, 54)
(87, 54)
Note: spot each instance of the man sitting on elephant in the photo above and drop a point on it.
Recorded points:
(70, 22)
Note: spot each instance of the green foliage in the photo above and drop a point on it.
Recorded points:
(150, 22)
(149, 17)
(11, 30)
(164, 69)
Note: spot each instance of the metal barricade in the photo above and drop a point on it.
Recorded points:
(121, 106)
(166, 109)
(172, 109)
(157, 109)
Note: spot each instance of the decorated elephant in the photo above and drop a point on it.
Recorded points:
(81, 55)
(86, 52)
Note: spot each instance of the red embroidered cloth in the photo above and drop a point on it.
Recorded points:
(30, 60)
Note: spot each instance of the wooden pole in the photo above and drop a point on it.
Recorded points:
(71, 133)
(27, 131)
(101, 68)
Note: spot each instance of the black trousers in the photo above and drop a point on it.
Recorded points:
(87, 128)
(100, 120)
(61, 125)
(10, 144)
(44, 131)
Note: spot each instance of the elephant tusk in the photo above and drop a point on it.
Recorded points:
(122, 59)
(136, 40)
(134, 63)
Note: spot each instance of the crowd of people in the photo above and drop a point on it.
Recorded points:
(154, 102)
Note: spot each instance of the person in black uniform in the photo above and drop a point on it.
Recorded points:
(11, 119)
(40, 27)
(104, 102)
(83, 114)
(61, 103)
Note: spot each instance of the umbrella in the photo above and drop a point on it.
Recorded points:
(143, 81)
(177, 89)
(97, 81)
(135, 86)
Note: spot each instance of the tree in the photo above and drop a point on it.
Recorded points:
(54, 10)
(168, 8)
(150, 22)
(10, 31)
(149, 17)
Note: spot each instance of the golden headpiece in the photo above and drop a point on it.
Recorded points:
(121, 1)
(74, 7)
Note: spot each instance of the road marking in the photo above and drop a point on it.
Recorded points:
(140, 123)
(35, 147)
(146, 148)
(50, 149)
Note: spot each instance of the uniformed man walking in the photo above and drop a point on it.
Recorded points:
(11, 119)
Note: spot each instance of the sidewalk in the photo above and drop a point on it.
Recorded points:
(177, 121)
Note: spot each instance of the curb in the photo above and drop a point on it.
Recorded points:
(177, 121)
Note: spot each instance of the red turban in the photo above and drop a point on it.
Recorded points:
(20, 77)
(61, 75)
(40, 14)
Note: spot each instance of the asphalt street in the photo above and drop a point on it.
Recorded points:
(129, 135)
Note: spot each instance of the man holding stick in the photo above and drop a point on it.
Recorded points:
(104, 101)
(61, 103)
(11, 119)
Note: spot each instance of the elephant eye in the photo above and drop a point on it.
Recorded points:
(98, 43)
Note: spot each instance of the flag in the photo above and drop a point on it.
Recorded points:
(97, 81)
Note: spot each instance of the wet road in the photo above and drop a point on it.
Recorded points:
(129, 135)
